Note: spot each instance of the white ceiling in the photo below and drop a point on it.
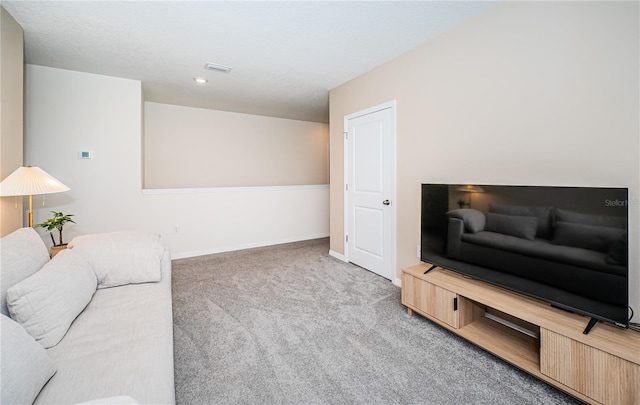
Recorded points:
(286, 56)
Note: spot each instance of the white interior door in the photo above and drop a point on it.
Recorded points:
(370, 143)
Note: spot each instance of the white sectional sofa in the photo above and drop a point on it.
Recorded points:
(100, 313)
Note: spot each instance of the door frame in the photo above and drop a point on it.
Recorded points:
(392, 105)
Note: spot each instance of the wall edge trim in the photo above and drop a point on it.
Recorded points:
(166, 191)
(223, 249)
(338, 256)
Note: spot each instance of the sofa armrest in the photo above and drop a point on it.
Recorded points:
(165, 264)
(454, 237)
(474, 220)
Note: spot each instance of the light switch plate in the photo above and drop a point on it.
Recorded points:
(86, 154)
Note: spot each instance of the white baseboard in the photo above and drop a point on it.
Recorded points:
(337, 255)
(223, 249)
(332, 253)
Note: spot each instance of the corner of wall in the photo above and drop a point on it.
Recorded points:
(11, 115)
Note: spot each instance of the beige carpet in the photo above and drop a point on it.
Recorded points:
(289, 324)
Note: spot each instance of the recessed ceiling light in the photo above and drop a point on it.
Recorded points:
(200, 80)
(217, 67)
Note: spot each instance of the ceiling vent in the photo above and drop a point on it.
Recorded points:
(217, 67)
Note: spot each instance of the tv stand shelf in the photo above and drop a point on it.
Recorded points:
(601, 367)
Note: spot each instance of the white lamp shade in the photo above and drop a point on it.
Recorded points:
(30, 181)
(469, 188)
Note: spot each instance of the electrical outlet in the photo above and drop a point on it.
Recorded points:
(176, 229)
(418, 251)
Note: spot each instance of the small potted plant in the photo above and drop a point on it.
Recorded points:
(57, 222)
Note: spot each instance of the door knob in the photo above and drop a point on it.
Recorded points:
(386, 202)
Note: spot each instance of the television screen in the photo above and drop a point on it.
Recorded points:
(564, 245)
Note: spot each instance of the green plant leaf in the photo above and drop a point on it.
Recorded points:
(57, 222)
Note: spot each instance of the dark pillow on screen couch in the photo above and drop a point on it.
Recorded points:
(474, 220)
(544, 215)
(618, 252)
(591, 237)
(588, 219)
(521, 227)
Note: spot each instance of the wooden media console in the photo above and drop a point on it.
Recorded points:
(601, 367)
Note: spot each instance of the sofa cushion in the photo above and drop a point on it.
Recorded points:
(520, 227)
(544, 249)
(22, 253)
(544, 215)
(26, 367)
(121, 344)
(598, 238)
(119, 258)
(473, 220)
(588, 219)
(46, 303)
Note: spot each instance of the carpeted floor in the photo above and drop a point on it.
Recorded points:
(289, 324)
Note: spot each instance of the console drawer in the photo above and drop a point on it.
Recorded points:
(599, 375)
(429, 299)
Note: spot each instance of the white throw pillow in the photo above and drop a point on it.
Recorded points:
(124, 257)
(22, 253)
(46, 303)
(26, 366)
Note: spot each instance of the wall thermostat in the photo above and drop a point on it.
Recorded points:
(86, 154)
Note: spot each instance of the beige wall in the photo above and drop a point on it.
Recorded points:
(526, 93)
(66, 111)
(188, 147)
(11, 116)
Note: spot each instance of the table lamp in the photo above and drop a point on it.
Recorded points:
(30, 181)
(469, 188)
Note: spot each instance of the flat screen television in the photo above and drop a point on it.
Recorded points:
(567, 246)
